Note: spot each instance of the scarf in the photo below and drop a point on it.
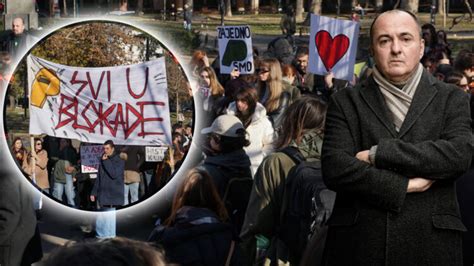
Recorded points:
(398, 101)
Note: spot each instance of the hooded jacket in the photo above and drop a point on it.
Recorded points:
(261, 135)
(266, 198)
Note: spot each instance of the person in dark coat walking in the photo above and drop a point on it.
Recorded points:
(108, 190)
(393, 148)
(196, 233)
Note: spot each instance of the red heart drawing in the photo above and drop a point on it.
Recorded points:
(331, 50)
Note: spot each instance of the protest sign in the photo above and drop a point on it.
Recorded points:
(333, 46)
(155, 154)
(126, 104)
(90, 158)
(235, 49)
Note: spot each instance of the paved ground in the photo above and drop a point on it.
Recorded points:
(56, 229)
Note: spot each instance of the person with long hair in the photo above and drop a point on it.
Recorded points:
(254, 118)
(196, 232)
(38, 172)
(18, 150)
(303, 122)
(289, 73)
(199, 60)
(270, 90)
(210, 92)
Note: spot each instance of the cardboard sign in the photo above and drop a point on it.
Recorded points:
(155, 154)
(333, 46)
(235, 49)
(90, 158)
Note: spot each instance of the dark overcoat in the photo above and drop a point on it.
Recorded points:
(109, 186)
(17, 219)
(375, 222)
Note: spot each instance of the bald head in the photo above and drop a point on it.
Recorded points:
(391, 12)
(396, 45)
(18, 26)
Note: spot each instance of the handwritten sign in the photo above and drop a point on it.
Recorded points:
(127, 104)
(155, 154)
(333, 46)
(90, 158)
(235, 49)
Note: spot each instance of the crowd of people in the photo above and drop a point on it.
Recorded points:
(390, 144)
(54, 166)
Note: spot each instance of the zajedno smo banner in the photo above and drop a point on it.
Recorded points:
(127, 104)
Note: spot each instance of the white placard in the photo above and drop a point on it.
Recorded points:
(155, 154)
(333, 46)
(235, 49)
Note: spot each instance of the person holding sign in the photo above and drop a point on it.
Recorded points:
(210, 93)
(38, 172)
(392, 150)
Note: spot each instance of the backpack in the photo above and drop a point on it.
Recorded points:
(236, 199)
(307, 205)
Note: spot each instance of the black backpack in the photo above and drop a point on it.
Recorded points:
(307, 205)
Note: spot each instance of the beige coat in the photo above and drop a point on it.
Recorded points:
(41, 171)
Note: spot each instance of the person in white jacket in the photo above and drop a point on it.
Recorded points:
(259, 128)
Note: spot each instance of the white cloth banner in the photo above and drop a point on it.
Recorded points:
(235, 49)
(127, 104)
(333, 46)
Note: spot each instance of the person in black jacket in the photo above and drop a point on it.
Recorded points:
(196, 233)
(226, 157)
(108, 190)
(16, 40)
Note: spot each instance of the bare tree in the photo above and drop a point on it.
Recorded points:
(299, 9)
(140, 7)
(410, 5)
(315, 7)
(378, 5)
(228, 8)
(441, 7)
(254, 6)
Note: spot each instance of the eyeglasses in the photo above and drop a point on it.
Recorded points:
(39, 144)
(262, 71)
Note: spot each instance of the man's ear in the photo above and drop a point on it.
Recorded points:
(422, 48)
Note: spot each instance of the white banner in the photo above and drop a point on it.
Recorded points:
(235, 49)
(155, 154)
(127, 104)
(333, 46)
(90, 158)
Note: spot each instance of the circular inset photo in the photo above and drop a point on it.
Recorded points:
(98, 114)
